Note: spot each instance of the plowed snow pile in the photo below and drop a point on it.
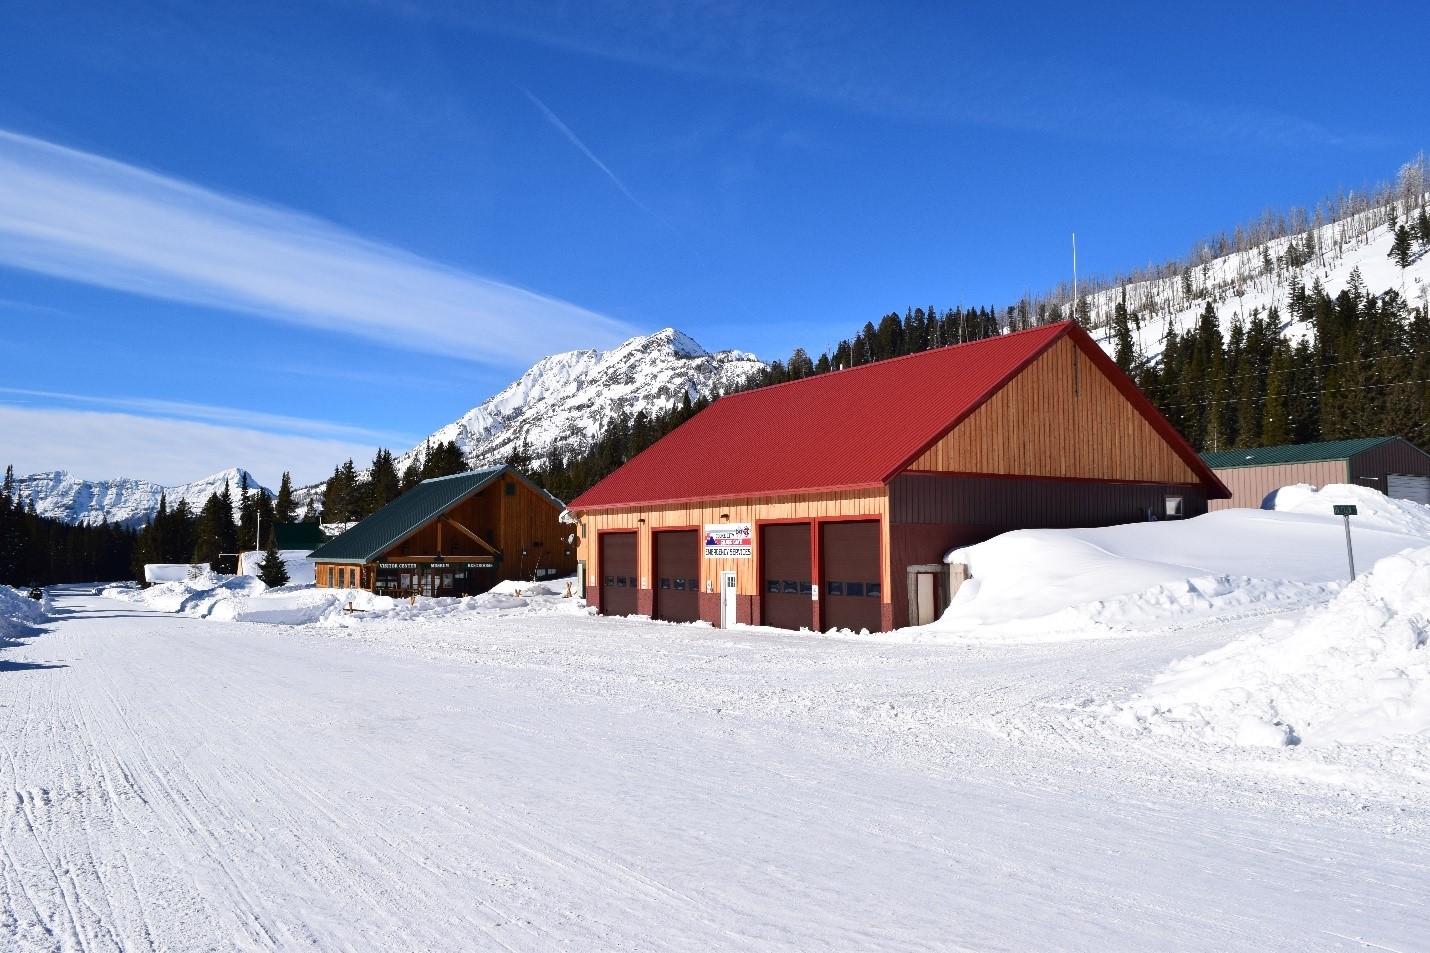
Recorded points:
(1124, 580)
(18, 613)
(1354, 671)
(247, 599)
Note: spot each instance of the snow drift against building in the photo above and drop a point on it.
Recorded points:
(1032, 585)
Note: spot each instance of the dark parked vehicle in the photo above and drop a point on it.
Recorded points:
(37, 593)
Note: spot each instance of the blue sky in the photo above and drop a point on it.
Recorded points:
(276, 235)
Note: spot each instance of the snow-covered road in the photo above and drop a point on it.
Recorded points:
(559, 781)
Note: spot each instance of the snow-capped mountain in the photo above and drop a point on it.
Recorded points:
(565, 400)
(65, 497)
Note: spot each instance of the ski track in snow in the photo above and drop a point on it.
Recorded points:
(542, 781)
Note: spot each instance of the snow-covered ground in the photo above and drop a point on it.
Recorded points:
(1354, 672)
(210, 764)
(533, 777)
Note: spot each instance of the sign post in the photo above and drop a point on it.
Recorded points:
(1348, 510)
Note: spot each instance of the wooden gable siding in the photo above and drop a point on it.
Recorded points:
(872, 503)
(509, 523)
(1063, 418)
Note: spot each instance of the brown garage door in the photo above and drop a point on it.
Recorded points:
(619, 576)
(785, 592)
(677, 575)
(850, 593)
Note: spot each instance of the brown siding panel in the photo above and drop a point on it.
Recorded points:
(1251, 485)
(1394, 456)
(990, 501)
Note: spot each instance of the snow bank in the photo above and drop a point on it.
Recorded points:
(1119, 580)
(1355, 671)
(18, 612)
(301, 571)
(246, 599)
(172, 572)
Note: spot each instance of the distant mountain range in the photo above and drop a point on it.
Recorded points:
(128, 502)
(566, 400)
(563, 400)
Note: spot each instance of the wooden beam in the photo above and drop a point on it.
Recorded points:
(469, 534)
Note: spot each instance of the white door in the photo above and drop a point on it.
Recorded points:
(1402, 486)
(926, 601)
(727, 600)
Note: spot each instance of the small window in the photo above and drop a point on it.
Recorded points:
(872, 589)
(805, 588)
(679, 584)
(836, 588)
(664, 583)
(694, 584)
(854, 589)
(620, 582)
(1174, 507)
(330, 577)
(772, 585)
(511, 489)
(610, 580)
(791, 585)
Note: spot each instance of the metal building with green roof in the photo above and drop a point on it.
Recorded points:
(1389, 464)
(452, 536)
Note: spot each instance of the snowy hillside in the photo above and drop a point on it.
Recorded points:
(65, 497)
(1262, 277)
(565, 400)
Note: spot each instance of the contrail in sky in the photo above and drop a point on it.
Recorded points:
(555, 120)
(86, 218)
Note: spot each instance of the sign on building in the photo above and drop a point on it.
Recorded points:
(729, 541)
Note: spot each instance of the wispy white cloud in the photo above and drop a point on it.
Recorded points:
(208, 413)
(83, 217)
(97, 445)
(565, 130)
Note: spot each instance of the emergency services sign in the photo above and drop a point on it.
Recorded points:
(729, 541)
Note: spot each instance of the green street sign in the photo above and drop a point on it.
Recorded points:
(1345, 509)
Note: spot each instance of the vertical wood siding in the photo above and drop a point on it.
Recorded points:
(869, 503)
(1250, 485)
(1061, 417)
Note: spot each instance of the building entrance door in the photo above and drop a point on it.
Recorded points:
(728, 613)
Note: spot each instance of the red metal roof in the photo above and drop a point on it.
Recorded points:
(859, 427)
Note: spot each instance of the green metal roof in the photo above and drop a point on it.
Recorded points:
(424, 502)
(1292, 453)
(299, 536)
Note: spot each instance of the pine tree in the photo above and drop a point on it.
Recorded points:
(271, 570)
(1122, 337)
(1400, 248)
(383, 484)
(285, 510)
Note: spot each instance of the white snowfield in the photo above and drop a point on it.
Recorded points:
(1033, 585)
(526, 776)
